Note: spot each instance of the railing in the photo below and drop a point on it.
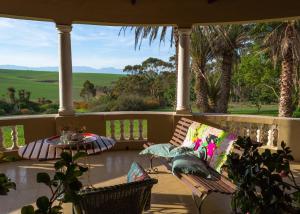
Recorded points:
(131, 129)
(259, 128)
(9, 137)
(127, 130)
(267, 134)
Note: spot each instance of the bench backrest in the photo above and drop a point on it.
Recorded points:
(180, 131)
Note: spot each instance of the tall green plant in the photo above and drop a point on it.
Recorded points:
(265, 182)
(63, 186)
(5, 182)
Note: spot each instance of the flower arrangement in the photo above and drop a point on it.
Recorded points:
(72, 135)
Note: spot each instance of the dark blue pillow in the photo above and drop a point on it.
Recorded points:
(190, 164)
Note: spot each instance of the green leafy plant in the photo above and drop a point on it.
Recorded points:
(5, 182)
(265, 182)
(63, 186)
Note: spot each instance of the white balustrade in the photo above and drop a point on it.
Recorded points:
(267, 134)
(130, 133)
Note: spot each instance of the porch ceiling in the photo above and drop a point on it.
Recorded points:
(184, 13)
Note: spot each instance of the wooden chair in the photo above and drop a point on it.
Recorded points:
(200, 186)
(124, 198)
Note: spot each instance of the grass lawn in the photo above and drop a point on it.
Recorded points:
(266, 110)
(45, 84)
(7, 136)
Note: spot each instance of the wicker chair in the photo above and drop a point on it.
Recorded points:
(127, 198)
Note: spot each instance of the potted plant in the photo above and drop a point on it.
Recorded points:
(265, 182)
(5, 182)
(63, 186)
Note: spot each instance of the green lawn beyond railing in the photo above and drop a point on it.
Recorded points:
(8, 138)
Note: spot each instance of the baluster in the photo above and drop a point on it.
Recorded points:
(112, 129)
(237, 129)
(258, 134)
(253, 132)
(270, 137)
(131, 129)
(141, 130)
(1, 140)
(122, 134)
(275, 135)
(14, 137)
(264, 134)
(248, 130)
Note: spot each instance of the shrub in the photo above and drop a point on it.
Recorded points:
(25, 111)
(80, 105)
(297, 113)
(6, 107)
(151, 103)
(129, 103)
(49, 108)
(2, 112)
(265, 182)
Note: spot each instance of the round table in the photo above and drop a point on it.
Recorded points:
(46, 149)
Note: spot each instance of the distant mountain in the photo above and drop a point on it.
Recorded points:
(76, 69)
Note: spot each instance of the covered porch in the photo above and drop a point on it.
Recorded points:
(170, 195)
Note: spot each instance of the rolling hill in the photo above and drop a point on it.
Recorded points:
(45, 84)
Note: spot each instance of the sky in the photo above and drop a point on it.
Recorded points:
(35, 44)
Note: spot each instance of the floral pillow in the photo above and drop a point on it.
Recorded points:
(136, 173)
(221, 152)
(210, 144)
(191, 133)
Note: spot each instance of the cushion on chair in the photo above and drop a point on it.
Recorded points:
(190, 136)
(223, 149)
(136, 173)
(190, 164)
(166, 150)
(162, 150)
(210, 144)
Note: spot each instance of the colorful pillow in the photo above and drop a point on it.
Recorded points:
(190, 164)
(166, 150)
(136, 173)
(191, 133)
(222, 151)
(210, 144)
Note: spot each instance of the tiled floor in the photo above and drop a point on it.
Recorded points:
(109, 168)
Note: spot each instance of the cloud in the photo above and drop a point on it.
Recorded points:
(34, 43)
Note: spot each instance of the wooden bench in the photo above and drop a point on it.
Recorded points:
(200, 186)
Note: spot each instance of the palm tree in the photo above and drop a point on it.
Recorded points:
(230, 39)
(201, 53)
(282, 41)
(152, 33)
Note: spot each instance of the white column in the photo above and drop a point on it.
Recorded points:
(65, 71)
(183, 76)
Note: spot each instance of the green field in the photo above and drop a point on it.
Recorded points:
(45, 84)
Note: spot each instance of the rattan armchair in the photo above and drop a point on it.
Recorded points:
(127, 198)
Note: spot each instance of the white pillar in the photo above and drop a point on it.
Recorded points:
(65, 71)
(183, 76)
